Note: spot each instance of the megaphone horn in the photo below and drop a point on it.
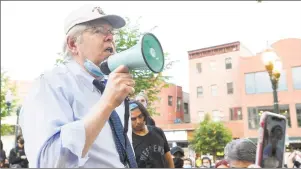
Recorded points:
(147, 54)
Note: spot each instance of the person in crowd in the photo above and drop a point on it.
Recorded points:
(294, 160)
(206, 161)
(177, 154)
(142, 98)
(187, 163)
(149, 142)
(240, 153)
(222, 164)
(2, 152)
(149, 120)
(17, 156)
(4, 163)
(198, 161)
(202, 166)
(74, 111)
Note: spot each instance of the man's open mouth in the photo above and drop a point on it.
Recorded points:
(109, 49)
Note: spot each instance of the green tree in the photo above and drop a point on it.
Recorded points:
(210, 137)
(6, 86)
(147, 81)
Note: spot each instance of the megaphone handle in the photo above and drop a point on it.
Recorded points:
(126, 114)
(126, 119)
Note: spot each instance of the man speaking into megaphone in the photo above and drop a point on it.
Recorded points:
(75, 116)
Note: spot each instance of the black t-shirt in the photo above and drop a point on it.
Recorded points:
(150, 149)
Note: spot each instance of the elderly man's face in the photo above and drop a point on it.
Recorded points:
(95, 43)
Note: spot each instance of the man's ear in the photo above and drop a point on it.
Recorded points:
(71, 45)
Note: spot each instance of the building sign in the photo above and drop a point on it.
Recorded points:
(176, 135)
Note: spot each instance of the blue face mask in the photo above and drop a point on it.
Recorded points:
(187, 166)
(92, 68)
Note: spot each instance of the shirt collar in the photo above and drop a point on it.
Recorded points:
(82, 74)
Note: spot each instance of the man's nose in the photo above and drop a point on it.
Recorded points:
(139, 121)
(109, 37)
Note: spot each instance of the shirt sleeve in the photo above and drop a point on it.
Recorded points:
(52, 137)
(166, 146)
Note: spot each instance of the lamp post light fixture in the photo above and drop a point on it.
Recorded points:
(8, 99)
(273, 65)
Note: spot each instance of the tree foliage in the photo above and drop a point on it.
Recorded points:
(147, 81)
(6, 110)
(210, 137)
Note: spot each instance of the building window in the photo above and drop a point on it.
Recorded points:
(216, 115)
(213, 65)
(186, 109)
(255, 112)
(178, 104)
(169, 100)
(214, 90)
(228, 63)
(201, 115)
(235, 113)
(284, 110)
(253, 118)
(259, 82)
(230, 88)
(199, 67)
(298, 110)
(199, 91)
(296, 73)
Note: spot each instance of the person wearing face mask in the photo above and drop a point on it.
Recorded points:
(142, 98)
(206, 161)
(79, 116)
(17, 156)
(187, 163)
(178, 154)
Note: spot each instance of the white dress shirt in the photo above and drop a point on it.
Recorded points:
(52, 125)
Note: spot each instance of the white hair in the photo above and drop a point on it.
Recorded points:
(75, 33)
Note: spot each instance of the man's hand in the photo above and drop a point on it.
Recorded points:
(23, 157)
(120, 84)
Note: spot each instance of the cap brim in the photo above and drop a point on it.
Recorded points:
(115, 20)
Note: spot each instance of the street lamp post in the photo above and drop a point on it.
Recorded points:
(8, 99)
(273, 66)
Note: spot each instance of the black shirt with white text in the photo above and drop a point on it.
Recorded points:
(150, 149)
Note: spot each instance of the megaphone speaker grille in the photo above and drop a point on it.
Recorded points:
(152, 53)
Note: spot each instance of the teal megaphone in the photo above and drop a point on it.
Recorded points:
(147, 54)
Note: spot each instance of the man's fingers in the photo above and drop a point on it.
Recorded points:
(121, 69)
(123, 75)
(128, 82)
(128, 89)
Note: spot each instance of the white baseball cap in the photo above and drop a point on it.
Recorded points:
(89, 13)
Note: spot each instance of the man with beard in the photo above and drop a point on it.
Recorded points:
(149, 142)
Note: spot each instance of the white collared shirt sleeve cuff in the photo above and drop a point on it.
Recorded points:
(73, 137)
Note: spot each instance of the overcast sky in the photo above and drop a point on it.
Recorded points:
(32, 32)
